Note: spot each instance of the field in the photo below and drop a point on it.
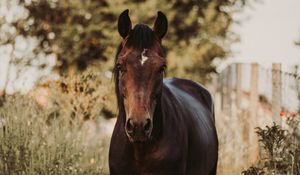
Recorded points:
(60, 139)
(64, 128)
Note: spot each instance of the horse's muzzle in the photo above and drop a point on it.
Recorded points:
(138, 131)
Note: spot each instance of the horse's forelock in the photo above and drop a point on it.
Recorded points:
(141, 37)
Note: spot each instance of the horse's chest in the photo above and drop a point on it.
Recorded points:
(161, 161)
(161, 167)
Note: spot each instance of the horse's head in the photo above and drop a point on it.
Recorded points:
(139, 70)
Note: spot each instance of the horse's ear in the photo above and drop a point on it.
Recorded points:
(160, 25)
(124, 24)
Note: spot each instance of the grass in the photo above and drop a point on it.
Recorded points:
(55, 140)
(30, 144)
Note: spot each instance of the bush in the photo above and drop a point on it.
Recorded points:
(83, 97)
(280, 150)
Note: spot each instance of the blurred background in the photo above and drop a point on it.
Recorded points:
(57, 104)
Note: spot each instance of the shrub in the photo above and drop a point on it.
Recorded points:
(280, 149)
(83, 97)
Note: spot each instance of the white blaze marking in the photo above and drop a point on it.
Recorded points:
(144, 57)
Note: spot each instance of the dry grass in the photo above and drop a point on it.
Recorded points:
(55, 139)
(238, 143)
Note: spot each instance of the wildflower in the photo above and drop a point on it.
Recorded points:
(92, 161)
(282, 114)
(293, 114)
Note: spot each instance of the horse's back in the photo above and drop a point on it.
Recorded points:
(197, 113)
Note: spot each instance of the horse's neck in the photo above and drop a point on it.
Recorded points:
(157, 122)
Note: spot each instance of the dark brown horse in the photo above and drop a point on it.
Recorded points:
(164, 126)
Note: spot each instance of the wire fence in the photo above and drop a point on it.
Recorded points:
(248, 96)
(249, 86)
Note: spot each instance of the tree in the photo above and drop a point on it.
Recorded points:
(22, 61)
(80, 32)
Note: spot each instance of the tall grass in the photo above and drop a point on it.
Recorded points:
(30, 144)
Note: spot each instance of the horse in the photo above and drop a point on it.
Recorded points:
(165, 126)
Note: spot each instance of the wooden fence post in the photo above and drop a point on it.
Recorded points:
(254, 91)
(238, 95)
(229, 91)
(253, 120)
(276, 92)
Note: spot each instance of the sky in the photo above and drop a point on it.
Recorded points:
(268, 32)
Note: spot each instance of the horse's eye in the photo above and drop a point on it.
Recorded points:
(162, 68)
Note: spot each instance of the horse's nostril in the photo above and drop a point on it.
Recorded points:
(147, 125)
(129, 126)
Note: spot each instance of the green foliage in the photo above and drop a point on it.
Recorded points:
(80, 32)
(72, 29)
(272, 138)
(281, 151)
